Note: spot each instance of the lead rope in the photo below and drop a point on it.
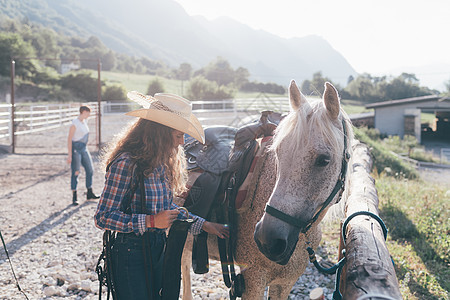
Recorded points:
(12, 269)
(337, 268)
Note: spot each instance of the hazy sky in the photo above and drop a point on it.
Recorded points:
(377, 37)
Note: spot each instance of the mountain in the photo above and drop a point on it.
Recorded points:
(162, 30)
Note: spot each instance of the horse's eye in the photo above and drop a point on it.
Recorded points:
(322, 160)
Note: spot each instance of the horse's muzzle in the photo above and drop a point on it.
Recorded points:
(276, 246)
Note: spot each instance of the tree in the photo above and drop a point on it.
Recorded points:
(116, 92)
(93, 42)
(150, 65)
(409, 77)
(108, 61)
(201, 88)
(306, 87)
(81, 85)
(155, 86)
(371, 89)
(254, 86)
(447, 86)
(350, 79)
(184, 72)
(318, 83)
(12, 45)
(219, 71)
(241, 76)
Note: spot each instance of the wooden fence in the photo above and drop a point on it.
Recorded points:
(368, 269)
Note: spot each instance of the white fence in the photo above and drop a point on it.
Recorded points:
(33, 118)
(279, 104)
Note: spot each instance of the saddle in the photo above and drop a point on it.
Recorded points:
(220, 166)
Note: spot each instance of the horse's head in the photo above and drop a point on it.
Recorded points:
(310, 147)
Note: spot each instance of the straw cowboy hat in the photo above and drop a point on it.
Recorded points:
(170, 110)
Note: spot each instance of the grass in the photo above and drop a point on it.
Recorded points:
(416, 213)
(408, 146)
(354, 107)
(384, 161)
(140, 82)
(417, 216)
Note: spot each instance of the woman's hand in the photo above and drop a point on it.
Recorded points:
(69, 158)
(220, 230)
(165, 218)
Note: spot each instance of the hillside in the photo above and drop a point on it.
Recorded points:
(162, 30)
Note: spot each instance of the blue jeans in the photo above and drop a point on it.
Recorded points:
(129, 269)
(81, 157)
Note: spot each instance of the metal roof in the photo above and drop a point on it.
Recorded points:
(407, 101)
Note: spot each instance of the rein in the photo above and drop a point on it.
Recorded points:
(338, 187)
(12, 269)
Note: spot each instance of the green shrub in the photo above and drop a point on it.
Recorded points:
(201, 88)
(114, 92)
(81, 85)
(384, 161)
(155, 86)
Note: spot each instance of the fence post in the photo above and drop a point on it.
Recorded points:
(99, 104)
(10, 130)
(13, 125)
(60, 114)
(368, 268)
(31, 117)
(46, 112)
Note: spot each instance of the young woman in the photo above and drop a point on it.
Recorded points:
(79, 154)
(153, 144)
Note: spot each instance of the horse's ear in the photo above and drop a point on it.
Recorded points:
(331, 99)
(295, 96)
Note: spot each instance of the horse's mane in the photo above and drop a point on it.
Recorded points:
(295, 128)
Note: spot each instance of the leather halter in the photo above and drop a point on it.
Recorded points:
(339, 187)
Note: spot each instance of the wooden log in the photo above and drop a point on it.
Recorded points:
(368, 269)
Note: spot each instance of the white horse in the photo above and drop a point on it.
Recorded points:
(295, 178)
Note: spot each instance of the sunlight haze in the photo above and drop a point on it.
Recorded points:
(376, 37)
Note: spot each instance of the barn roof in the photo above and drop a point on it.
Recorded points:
(407, 101)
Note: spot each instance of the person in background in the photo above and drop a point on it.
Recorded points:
(79, 154)
(154, 145)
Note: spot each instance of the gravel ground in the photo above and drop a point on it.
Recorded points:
(54, 246)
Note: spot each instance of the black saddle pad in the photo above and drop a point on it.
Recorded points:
(214, 155)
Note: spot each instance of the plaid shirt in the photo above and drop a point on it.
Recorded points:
(158, 198)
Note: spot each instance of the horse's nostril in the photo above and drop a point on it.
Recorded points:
(278, 247)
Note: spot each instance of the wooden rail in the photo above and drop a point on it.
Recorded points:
(368, 268)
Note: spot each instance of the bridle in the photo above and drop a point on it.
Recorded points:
(338, 187)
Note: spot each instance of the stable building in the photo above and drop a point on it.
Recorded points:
(402, 117)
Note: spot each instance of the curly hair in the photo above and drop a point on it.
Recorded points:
(152, 145)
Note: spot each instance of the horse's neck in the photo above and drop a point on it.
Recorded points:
(261, 187)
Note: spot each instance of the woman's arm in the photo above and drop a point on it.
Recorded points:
(108, 215)
(221, 230)
(69, 143)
